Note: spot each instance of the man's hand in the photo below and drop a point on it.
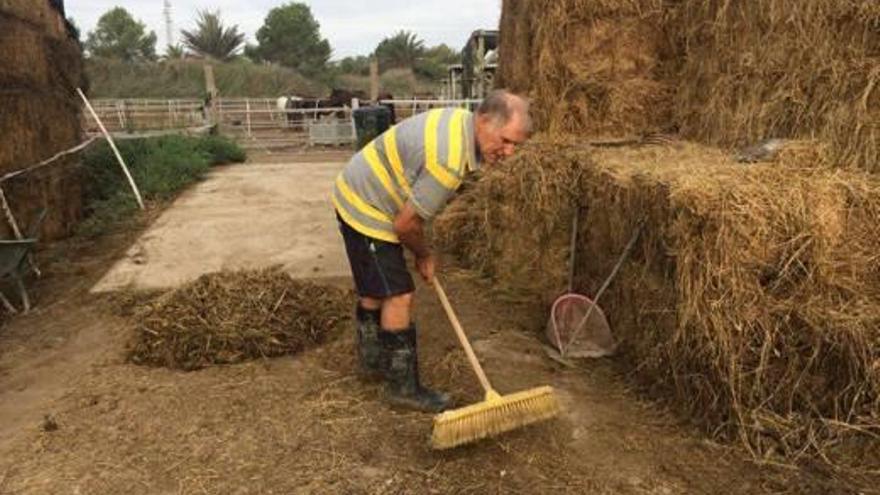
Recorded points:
(426, 266)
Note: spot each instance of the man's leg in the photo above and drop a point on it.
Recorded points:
(396, 312)
(400, 341)
(368, 308)
(369, 317)
(385, 328)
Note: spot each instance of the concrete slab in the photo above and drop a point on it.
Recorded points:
(249, 216)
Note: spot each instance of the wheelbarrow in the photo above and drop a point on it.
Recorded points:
(15, 262)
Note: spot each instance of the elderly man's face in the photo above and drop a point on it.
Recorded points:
(499, 141)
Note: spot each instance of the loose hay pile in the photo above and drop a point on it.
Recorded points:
(753, 297)
(230, 317)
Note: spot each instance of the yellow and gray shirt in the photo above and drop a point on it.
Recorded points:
(422, 160)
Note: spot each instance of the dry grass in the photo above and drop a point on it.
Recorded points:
(230, 317)
(753, 297)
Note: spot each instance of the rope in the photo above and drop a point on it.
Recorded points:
(49, 161)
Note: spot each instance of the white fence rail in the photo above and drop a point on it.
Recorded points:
(256, 122)
(133, 115)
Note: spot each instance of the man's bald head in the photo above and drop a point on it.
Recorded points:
(502, 123)
(502, 105)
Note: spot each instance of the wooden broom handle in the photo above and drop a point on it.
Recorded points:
(475, 363)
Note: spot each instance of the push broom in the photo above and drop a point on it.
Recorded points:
(496, 413)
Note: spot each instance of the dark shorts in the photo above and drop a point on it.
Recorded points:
(379, 267)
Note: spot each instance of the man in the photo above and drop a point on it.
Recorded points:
(383, 198)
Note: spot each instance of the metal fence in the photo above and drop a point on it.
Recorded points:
(134, 115)
(254, 122)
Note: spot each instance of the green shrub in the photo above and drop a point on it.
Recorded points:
(222, 150)
(160, 167)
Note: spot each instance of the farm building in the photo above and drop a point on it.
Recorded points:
(40, 67)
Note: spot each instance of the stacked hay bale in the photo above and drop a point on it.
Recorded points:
(40, 66)
(752, 298)
(724, 73)
(591, 67)
(780, 68)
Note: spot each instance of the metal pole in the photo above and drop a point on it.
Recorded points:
(137, 193)
(9, 217)
(247, 109)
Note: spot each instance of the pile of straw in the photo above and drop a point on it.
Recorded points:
(752, 298)
(230, 317)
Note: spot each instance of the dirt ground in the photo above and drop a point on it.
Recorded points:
(240, 217)
(76, 418)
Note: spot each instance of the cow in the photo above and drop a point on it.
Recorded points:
(389, 106)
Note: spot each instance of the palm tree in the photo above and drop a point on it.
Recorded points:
(174, 52)
(403, 49)
(212, 39)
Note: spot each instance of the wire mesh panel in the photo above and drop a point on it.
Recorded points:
(331, 133)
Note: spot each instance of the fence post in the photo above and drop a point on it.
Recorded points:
(374, 79)
(211, 89)
(247, 109)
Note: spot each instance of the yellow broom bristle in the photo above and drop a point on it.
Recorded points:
(493, 416)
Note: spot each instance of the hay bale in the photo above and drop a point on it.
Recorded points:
(589, 66)
(230, 317)
(723, 73)
(20, 47)
(33, 127)
(40, 67)
(752, 299)
(780, 68)
(40, 15)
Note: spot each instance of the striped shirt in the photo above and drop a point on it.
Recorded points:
(421, 160)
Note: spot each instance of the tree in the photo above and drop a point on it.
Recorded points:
(434, 62)
(291, 37)
(354, 65)
(212, 39)
(174, 52)
(403, 49)
(119, 35)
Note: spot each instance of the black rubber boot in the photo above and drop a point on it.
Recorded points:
(401, 368)
(369, 349)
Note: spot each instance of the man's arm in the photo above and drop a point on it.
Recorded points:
(410, 229)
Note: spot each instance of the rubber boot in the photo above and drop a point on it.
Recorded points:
(369, 349)
(401, 368)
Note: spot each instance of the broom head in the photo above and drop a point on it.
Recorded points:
(497, 414)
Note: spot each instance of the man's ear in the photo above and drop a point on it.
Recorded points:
(483, 120)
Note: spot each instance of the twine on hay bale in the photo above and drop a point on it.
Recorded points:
(230, 317)
(752, 299)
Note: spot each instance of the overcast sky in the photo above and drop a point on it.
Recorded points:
(354, 27)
